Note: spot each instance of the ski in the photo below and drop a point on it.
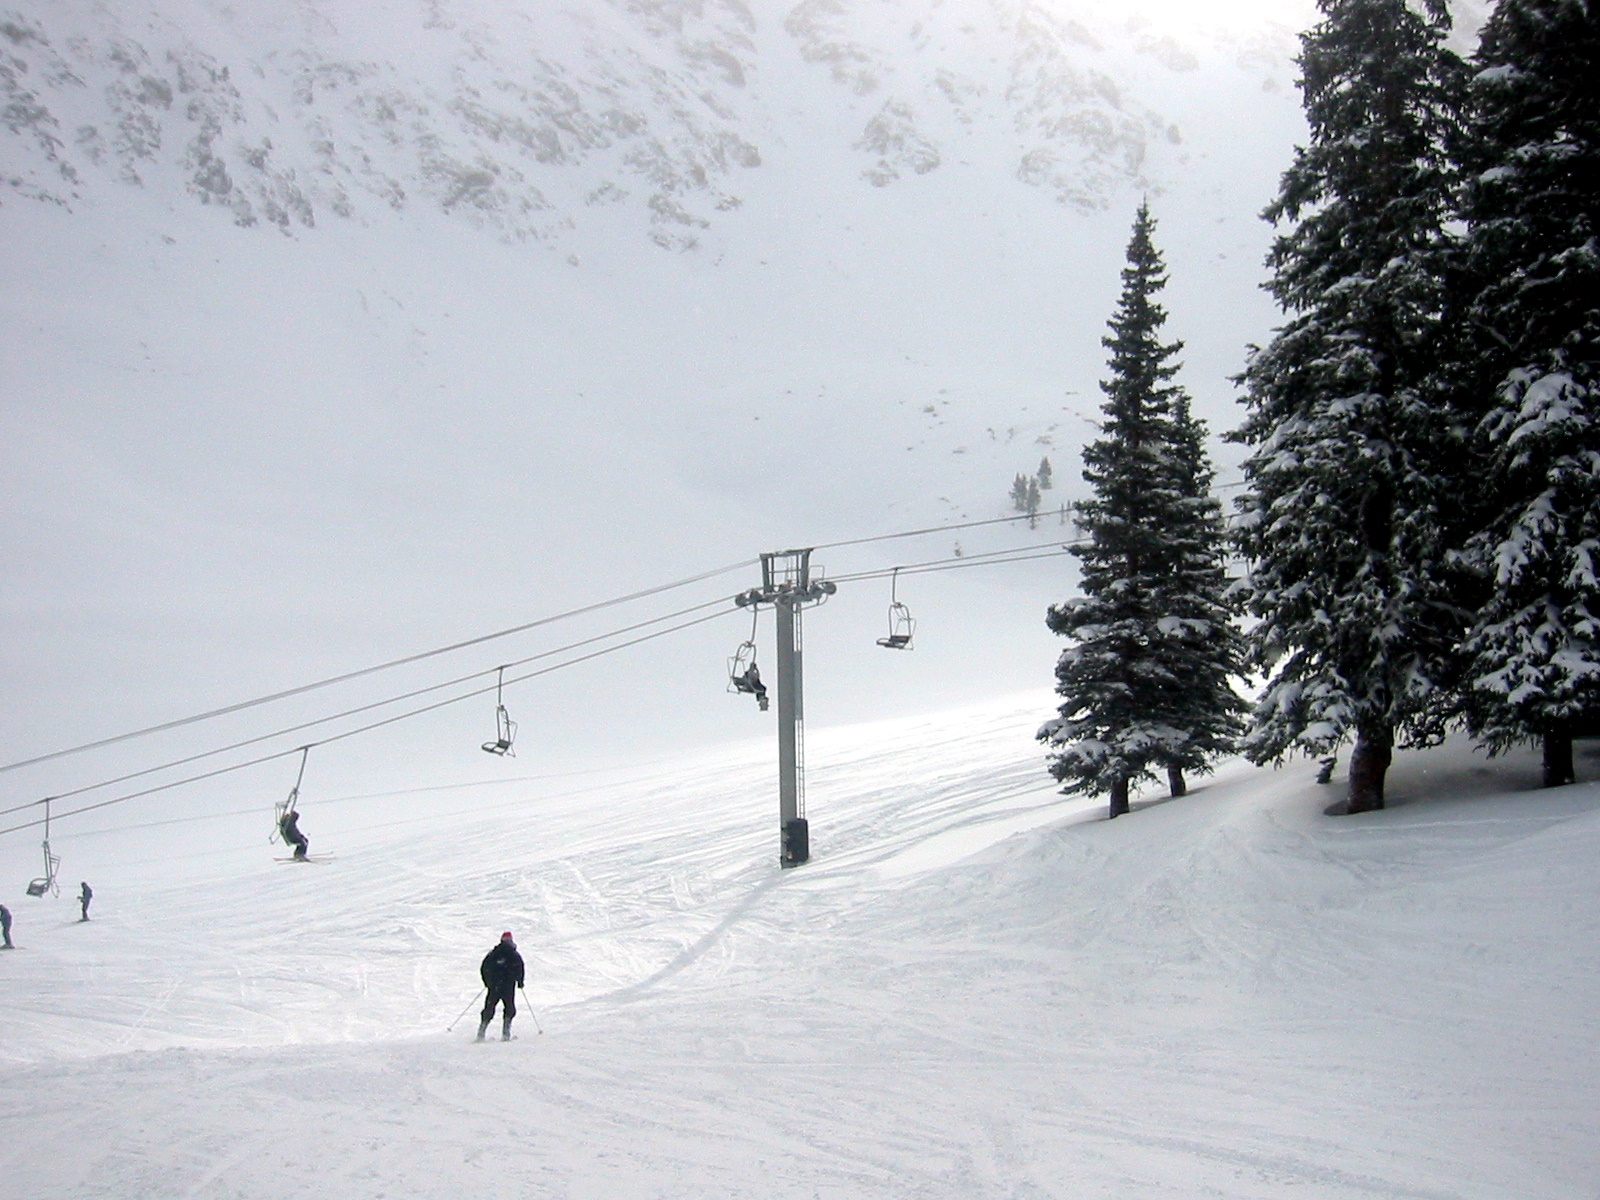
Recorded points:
(314, 858)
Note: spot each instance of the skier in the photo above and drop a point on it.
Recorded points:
(502, 975)
(5, 926)
(84, 896)
(289, 829)
(750, 682)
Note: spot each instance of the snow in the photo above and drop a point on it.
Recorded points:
(235, 457)
(976, 988)
(238, 460)
(1547, 402)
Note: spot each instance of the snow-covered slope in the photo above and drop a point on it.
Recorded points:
(450, 380)
(976, 989)
(525, 118)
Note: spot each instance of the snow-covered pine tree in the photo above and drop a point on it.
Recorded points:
(1532, 203)
(1203, 646)
(1046, 474)
(1355, 478)
(1019, 493)
(1146, 683)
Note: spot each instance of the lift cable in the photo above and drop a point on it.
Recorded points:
(887, 537)
(997, 557)
(990, 558)
(338, 737)
(488, 637)
(398, 662)
(325, 801)
(962, 564)
(350, 712)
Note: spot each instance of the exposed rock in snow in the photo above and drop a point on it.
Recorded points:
(520, 119)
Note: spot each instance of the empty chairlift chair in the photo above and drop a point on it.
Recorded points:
(901, 622)
(505, 729)
(52, 864)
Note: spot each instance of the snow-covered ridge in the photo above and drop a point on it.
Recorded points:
(524, 118)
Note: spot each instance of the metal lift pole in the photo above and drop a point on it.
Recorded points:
(789, 717)
(787, 585)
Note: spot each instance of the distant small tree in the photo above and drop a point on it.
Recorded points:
(1025, 497)
(1046, 476)
(1019, 493)
(1146, 682)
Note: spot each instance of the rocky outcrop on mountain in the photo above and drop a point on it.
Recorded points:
(893, 136)
(283, 135)
(526, 124)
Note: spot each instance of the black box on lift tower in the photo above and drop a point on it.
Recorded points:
(796, 841)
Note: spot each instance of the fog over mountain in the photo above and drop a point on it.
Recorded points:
(336, 331)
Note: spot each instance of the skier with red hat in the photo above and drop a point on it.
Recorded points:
(502, 973)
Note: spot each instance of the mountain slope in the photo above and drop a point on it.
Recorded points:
(241, 459)
(523, 119)
(975, 989)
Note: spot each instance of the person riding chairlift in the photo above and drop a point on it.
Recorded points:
(289, 828)
(750, 682)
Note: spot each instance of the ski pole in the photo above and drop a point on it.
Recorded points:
(535, 1017)
(451, 1027)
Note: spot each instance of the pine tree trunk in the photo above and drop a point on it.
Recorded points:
(1558, 767)
(1119, 798)
(1175, 784)
(1369, 763)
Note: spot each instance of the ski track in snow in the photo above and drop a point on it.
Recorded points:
(976, 988)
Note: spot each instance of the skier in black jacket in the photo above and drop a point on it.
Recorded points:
(502, 975)
(289, 830)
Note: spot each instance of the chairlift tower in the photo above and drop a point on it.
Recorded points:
(787, 586)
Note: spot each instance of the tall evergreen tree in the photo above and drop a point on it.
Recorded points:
(1146, 683)
(1203, 646)
(1532, 203)
(1354, 474)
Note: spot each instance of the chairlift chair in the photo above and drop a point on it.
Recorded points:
(744, 677)
(901, 622)
(280, 810)
(505, 728)
(284, 807)
(52, 864)
(739, 668)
